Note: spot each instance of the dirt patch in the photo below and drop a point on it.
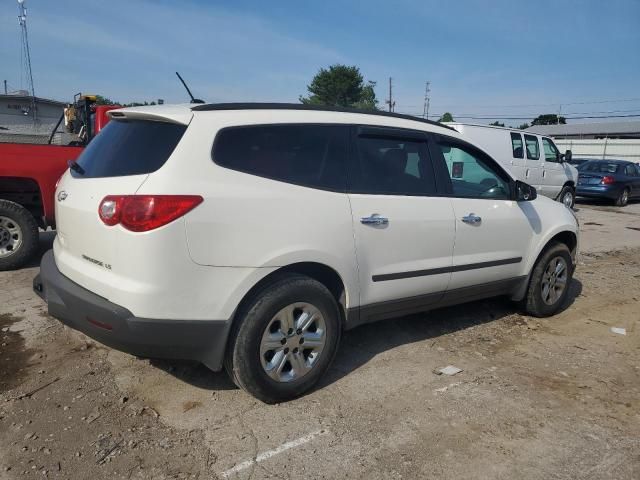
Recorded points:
(14, 357)
(537, 398)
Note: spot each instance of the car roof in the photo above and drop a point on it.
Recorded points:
(494, 127)
(253, 113)
(305, 107)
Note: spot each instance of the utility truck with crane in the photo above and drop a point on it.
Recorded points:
(28, 176)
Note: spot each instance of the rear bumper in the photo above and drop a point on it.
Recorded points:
(598, 191)
(116, 327)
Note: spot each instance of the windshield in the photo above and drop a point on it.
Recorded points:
(129, 147)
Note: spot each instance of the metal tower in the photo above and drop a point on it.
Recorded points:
(26, 53)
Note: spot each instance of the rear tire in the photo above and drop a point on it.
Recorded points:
(550, 281)
(18, 235)
(567, 196)
(267, 354)
(623, 198)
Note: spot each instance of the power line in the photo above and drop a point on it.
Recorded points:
(593, 102)
(501, 117)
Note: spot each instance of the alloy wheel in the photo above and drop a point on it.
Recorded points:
(554, 280)
(293, 342)
(568, 199)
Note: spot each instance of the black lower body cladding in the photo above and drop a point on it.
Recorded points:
(117, 327)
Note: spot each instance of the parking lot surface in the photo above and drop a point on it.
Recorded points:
(536, 398)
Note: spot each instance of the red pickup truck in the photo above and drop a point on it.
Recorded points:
(28, 177)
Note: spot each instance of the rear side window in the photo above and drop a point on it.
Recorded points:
(129, 147)
(533, 147)
(309, 155)
(516, 145)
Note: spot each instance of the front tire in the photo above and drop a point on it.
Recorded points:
(567, 197)
(550, 281)
(18, 235)
(284, 339)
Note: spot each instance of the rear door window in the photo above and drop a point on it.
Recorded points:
(129, 147)
(392, 164)
(308, 155)
(533, 147)
(516, 145)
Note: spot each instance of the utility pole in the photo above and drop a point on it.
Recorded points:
(558, 117)
(5, 87)
(425, 110)
(390, 102)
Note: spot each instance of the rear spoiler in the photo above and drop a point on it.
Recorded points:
(179, 115)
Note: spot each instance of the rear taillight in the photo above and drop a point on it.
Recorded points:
(141, 213)
(607, 180)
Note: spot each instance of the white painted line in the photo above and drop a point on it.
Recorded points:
(272, 453)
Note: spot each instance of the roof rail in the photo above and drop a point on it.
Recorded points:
(301, 106)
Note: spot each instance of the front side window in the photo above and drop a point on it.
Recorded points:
(308, 155)
(516, 145)
(551, 153)
(392, 166)
(472, 174)
(533, 148)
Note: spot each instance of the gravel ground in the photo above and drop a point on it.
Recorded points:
(536, 398)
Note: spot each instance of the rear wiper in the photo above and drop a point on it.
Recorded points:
(75, 166)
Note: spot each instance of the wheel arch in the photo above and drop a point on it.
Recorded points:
(26, 192)
(321, 272)
(567, 237)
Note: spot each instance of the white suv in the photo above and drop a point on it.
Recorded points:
(252, 235)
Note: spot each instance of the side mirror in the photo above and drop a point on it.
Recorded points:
(524, 192)
(567, 156)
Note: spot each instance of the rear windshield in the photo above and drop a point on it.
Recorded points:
(129, 147)
(600, 167)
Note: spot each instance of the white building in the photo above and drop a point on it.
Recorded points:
(27, 115)
(606, 140)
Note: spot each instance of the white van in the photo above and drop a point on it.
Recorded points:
(530, 157)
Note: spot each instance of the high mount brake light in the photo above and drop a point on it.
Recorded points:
(141, 213)
(607, 180)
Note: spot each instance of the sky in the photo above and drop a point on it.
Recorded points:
(500, 58)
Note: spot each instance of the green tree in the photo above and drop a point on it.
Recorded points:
(524, 126)
(446, 117)
(548, 119)
(100, 100)
(341, 86)
(497, 124)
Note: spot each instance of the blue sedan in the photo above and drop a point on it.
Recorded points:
(617, 180)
